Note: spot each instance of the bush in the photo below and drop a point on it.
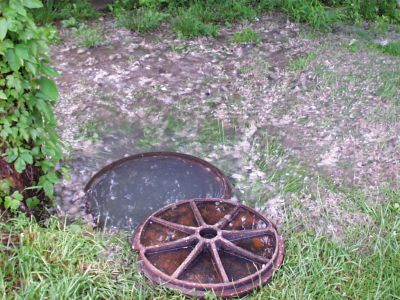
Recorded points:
(29, 146)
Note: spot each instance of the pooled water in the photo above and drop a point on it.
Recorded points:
(125, 195)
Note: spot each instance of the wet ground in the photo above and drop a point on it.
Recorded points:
(295, 122)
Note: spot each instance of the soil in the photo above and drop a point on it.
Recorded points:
(318, 127)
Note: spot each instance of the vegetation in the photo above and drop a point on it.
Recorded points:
(246, 36)
(74, 262)
(53, 10)
(142, 20)
(192, 18)
(89, 36)
(29, 146)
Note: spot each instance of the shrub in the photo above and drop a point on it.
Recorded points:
(29, 146)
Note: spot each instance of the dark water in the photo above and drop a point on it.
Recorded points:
(127, 194)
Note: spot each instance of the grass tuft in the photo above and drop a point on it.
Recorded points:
(247, 35)
(89, 36)
(142, 20)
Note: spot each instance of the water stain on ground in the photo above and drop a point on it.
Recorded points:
(334, 115)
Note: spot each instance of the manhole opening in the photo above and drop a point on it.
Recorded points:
(208, 233)
(126, 192)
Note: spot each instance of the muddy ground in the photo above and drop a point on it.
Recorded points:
(304, 124)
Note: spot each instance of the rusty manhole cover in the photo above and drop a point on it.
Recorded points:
(126, 192)
(208, 244)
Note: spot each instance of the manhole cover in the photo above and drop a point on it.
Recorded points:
(126, 192)
(208, 244)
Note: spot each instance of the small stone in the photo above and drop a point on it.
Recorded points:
(81, 50)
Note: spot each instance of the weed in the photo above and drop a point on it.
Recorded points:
(301, 63)
(246, 36)
(89, 36)
(188, 26)
(61, 10)
(212, 132)
(173, 124)
(381, 24)
(392, 48)
(71, 22)
(149, 138)
(141, 20)
(389, 87)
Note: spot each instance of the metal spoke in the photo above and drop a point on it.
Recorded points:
(197, 213)
(227, 218)
(171, 246)
(232, 248)
(182, 228)
(191, 257)
(239, 235)
(218, 262)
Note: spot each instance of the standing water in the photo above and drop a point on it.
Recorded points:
(126, 192)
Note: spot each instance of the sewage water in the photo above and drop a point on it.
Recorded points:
(125, 193)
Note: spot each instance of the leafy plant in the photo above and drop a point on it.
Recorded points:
(246, 36)
(27, 95)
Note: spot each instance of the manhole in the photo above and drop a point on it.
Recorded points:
(208, 244)
(126, 192)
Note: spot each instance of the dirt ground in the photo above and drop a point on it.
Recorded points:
(303, 124)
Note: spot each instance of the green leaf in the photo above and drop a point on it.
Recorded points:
(33, 3)
(49, 71)
(49, 88)
(3, 28)
(11, 203)
(18, 7)
(19, 165)
(22, 51)
(32, 202)
(3, 95)
(27, 157)
(12, 60)
(12, 154)
(48, 188)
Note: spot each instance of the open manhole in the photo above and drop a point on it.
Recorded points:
(201, 245)
(126, 192)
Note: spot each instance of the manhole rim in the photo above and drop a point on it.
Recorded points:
(225, 182)
(233, 288)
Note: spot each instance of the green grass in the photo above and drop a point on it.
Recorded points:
(301, 63)
(73, 262)
(247, 35)
(212, 132)
(53, 10)
(142, 20)
(185, 25)
(89, 36)
(149, 138)
(68, 262)
(392, 48)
